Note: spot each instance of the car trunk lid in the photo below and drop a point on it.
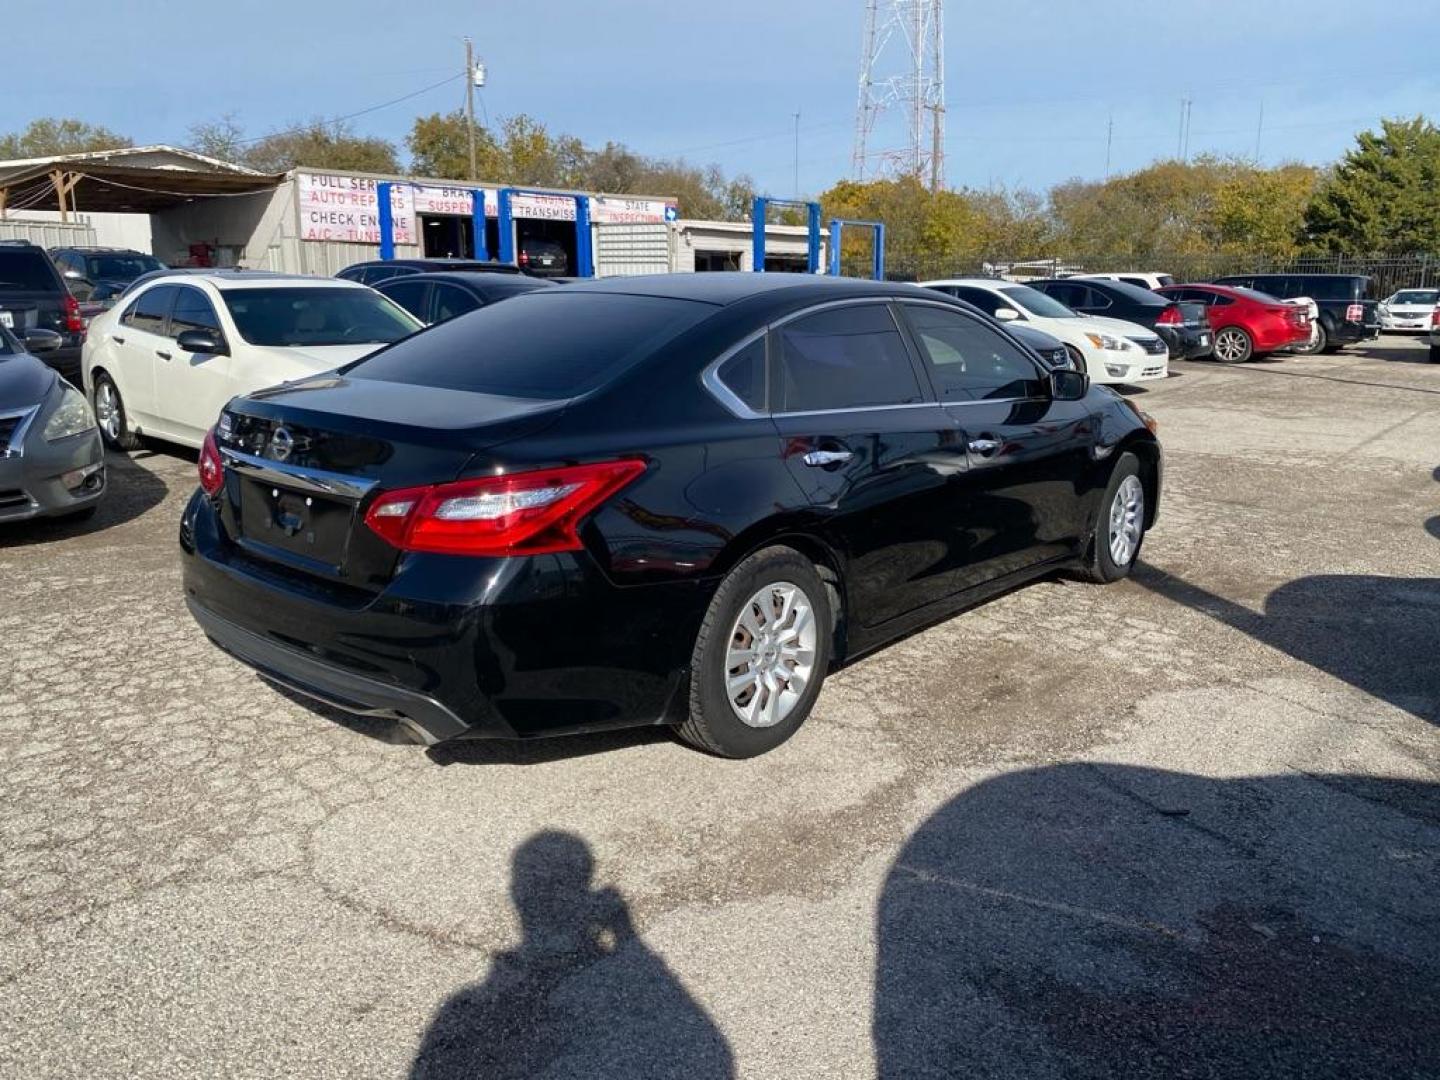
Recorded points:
(303, 462)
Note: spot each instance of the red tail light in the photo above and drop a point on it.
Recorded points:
(1171, 316)
(212, 470)
(527, 513)
(1435, 318)
(74, 321)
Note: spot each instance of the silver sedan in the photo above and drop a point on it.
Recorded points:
(52, 463)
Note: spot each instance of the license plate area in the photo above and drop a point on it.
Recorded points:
(301, 527)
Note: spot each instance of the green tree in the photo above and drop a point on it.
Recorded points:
(439, 147)
(49, 136)
(1262, 211)
(1384, 196)
(321, 145)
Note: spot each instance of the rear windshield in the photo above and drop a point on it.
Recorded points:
(546, 345)
(313, 317)
(120, 267)
(1136, 294)
(1254, 294)
(26, 270)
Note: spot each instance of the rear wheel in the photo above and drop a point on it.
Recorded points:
(1435, 354)
(1120, 526)
(110, 415)
(1233, 346)
(760, 657)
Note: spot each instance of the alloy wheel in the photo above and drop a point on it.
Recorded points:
(107, 409)
(1231, 347)
(1127, 520)
(770, 654)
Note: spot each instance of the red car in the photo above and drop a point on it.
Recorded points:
(1247, 323)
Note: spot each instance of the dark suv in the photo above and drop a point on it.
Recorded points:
(377, 270)
(101, 273)
(1349, 312)
(33, 295)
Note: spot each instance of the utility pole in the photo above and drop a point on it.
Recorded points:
(1109, 138)
(797, 153)
(470, 102)
(1260, 127)
(1189, 104)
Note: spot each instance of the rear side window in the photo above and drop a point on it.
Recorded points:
(546, 345)
(27, 270)
(984, 299)
(149, 309)
(845, 358)
(1071, 294)
(744, 374)
(969, 361)
(1331, 288)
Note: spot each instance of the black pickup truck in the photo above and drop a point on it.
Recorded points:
(1349, 312)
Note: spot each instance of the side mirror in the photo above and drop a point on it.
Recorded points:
(1007, 314)
(1068, 385)
(202, 341)
(38, 340)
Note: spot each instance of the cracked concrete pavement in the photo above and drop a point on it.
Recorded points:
(1186, 825)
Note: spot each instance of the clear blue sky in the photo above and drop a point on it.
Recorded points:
(1031, 84)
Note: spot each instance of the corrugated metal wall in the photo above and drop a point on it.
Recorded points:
(623, 250)
(47, 233)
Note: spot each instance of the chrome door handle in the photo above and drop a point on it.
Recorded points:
(117, 339)
(820, 458)
(162, 354)
(983, 446)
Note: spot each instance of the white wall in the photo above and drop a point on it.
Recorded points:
(108, 230)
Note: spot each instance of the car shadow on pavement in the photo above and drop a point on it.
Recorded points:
(1376, 633)
(1110, 920)
(133, 490)
(581, 995)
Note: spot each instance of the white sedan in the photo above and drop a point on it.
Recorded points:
(164, 360)
(1108, 350)
(1409, 309)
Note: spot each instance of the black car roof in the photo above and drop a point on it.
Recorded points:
(722, 288)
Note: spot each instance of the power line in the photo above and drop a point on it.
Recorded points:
(352, 116)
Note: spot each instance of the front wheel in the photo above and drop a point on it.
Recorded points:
(760, 657)
(1233, 346)
(111, 416)
(1120, 526)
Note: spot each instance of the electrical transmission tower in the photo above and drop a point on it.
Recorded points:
(909, 33)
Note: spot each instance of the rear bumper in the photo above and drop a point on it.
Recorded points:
(1187, 343)
(1348, 333)
(452, 646)
(429, 720)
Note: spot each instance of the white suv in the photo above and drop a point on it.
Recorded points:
(1108, 350)
(164, 360)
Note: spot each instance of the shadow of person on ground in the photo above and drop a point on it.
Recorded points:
(1377, 633)
(582, 995)
(1108, 920)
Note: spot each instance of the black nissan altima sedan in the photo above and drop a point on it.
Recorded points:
(666, 500)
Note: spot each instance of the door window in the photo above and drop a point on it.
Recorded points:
(1069, 293)
(451, 300)
(408, 294)
(969, 361)
(193, 311)
(845, 358)
(149, 309)
(984, 299)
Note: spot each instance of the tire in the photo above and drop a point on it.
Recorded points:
(1233, 345)
(714, 722)
(1435, 354)
(111, 416)
(1125, 487)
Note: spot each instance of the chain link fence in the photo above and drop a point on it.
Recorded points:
(1390, 272)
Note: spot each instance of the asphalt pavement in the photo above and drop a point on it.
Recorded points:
(1184, 826)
